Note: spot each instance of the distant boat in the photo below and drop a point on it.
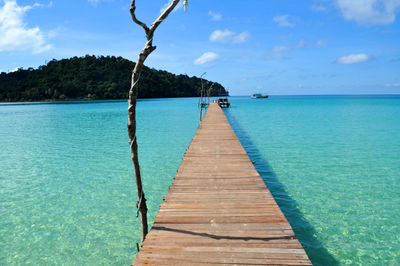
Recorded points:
(258, 95)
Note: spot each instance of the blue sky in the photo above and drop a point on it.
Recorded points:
(269, 46)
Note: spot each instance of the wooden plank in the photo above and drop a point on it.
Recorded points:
(218, 209)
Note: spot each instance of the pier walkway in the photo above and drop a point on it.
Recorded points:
(218, 209)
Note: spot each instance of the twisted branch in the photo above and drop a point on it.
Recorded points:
(133, 93)
(133, 15)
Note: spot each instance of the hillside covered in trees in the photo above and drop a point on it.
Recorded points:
(92, 77)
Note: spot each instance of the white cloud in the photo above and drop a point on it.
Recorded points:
(14, 32)
(369, 12)
(281, 51)
(278, 51)
(50, 4)
(206, 57)
(301, 44)
(226, 36)
(393, 85)
(214, 16)
(242, 37)
(353, 59)
(15, 69)
(221, 36)
(318, 8)
(95, 2)
(321, 43)
(284, 21)
(280, 48)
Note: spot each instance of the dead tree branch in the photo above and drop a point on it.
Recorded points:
(133, 93)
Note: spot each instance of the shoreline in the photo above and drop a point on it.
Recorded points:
(78, 101)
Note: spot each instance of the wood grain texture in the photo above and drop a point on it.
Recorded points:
(218, 210)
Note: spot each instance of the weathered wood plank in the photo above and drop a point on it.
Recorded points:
(218, 210)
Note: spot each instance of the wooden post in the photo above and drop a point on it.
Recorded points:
(209, 93)
(133, 93)
(201, 95)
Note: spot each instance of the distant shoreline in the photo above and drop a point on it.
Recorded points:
(77, 100)
(82, 101)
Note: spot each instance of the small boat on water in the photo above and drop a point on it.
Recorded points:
(223, 100)
(258, 95)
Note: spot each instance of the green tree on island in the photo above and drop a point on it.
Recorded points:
(91, 77)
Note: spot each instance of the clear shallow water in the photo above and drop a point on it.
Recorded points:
(333, 165)
(67, 193)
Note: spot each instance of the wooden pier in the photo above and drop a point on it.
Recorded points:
(218, 209)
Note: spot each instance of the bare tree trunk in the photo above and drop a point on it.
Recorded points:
(133, 93)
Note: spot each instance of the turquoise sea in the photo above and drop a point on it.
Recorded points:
(67, 193)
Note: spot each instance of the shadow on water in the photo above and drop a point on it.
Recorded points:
(303, 230)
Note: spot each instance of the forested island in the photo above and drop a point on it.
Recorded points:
(91, 77)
